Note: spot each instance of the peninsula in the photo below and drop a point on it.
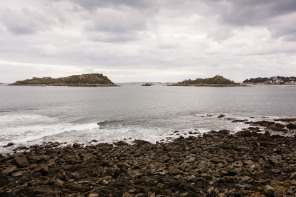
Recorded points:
(84, 80)
(217, 81)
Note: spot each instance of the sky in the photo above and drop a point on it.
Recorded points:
(147, 40)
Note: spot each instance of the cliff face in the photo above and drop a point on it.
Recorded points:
(94, 79)
(214, 81)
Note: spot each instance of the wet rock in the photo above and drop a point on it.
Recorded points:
(6, 194)
(35, 158)
(293, 176)
(291, 126)
(98, 171)
(286, 119)
(43, 169)
(126, 194)
(76, 187)
(235, 121)
(16, 174)
(93, 195)
(75, 175)
(184, 194)
(222, 195)
(211, 192)
(59, 183)
(9, 144)
(221, 116)
(120, 143)
(151, 194)
(268, 191)
(160, 185)
(20, 160)
(10, 169)
(76, 145)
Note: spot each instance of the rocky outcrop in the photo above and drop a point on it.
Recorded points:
(87, 80)
(217, 164)
(147, 84)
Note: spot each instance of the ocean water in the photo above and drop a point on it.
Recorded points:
(34, 115)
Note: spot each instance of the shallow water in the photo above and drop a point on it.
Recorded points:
(31, 115)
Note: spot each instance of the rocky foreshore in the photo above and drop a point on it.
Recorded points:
(247, 163)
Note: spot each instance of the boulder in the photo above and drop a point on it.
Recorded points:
(20, 160)
(268, 191)
(43, 169)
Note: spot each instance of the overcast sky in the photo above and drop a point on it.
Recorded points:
(143, 40)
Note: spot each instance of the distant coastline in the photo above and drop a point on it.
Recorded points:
(276, 80)
(269, 85)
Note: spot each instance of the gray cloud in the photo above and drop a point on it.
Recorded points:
(93, 4)
(272, 14)
(131, 40)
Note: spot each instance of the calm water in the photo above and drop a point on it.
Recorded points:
(30, 115)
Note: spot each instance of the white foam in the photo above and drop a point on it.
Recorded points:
(28, 129)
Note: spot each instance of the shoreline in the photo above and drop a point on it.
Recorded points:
(246, 163)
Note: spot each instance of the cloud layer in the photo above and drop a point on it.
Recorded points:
(145, 40)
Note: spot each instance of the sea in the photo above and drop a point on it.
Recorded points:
(40, 114)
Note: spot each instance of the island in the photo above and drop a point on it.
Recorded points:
(216, 81)
(276, 80)
(84, 80)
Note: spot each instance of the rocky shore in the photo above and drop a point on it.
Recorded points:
(247, 163)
